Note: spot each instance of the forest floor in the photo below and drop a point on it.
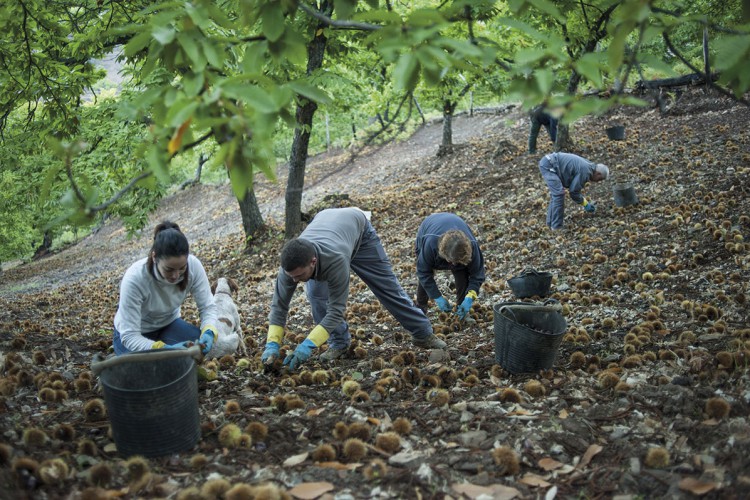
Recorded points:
(648, 396)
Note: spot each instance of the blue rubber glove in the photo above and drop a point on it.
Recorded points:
(207, 341)
(589, 206)
(270, 353)
(464, 308)
(300, 355)
(443, 304)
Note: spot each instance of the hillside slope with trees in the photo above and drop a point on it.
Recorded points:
(649, 395)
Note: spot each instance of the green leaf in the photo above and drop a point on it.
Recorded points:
(406, 72)
(254, 96)
(545, 79)
(345, 8)
(214, 55)
(137, 43)
(589, 66)
(548, 8)
(180, 111)
(272, 18)
(193, 52)
(585, 107)
(310, 91)
(157, 161)
(192, 83)
(163, 34)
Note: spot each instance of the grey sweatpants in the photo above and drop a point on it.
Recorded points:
(372, 265)
(556, 207)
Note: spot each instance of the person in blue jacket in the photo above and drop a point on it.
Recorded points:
(336, 242)
(563, 171)
(539, 117)
(445, 242)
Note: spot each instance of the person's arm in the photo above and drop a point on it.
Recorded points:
(132, 297)
(476, 268)
(337, 277)
(282, 297)
(426, 264)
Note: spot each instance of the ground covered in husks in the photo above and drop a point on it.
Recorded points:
(648, 396)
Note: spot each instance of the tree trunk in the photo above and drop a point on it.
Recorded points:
(563, 142)
(298, 157)
(252, 220)
(446, 147)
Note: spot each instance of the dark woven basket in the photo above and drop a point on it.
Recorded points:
(152, 405)
(527, 335)
(616, 133)
(531, 283)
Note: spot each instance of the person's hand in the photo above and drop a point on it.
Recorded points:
(207, 341)
(300, 355)
(270, 353)
(443, 304)
(589, 206)
(464, 308)
(179, 345)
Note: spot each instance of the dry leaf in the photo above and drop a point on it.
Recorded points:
(534, 480)
(471, 490)
(308, 491)
(563, 413)
(711, 422)
(590, 452)
(549, 464)
(315, 412)
(551, 493)
(696, 486)
(295, 459)
(374, 421)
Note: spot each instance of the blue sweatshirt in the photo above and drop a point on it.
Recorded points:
(428, 259)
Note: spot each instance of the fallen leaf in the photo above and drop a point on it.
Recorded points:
(308, 491)
(590, 452)
(696, 486)
(315, 412)
(374, 421)
(110, 448)
(711, 422)
(295, 459)
(530, 479)
(551, 493)
(549, 464)
(563, 413)
(471, 490)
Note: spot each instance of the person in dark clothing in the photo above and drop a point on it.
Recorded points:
(563, 171)
(338, 241)
(539, 117)
(445, 242)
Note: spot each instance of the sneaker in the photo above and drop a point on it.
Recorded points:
(333, 353)
(431, 342)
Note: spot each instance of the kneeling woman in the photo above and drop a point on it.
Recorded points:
(152, 292)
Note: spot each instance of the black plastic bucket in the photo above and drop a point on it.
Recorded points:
(624, 194)
(616, 133)
(152, 404)
(531, 283)
(527, 335)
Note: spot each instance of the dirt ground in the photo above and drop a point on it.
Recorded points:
(648, 395)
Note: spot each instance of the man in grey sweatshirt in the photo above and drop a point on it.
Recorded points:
(563, 171)
(338, 241)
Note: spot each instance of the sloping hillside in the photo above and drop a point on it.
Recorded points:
(648, 397)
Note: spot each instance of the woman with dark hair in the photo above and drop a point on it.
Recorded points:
(152, 292)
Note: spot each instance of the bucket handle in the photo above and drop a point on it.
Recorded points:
(527, 271)
(546, 306)
(98, 366)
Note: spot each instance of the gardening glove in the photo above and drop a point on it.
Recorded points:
(465, 306)
(208, 337)
(273, 341)
(443, 304)
(302, 353)
(589, 206)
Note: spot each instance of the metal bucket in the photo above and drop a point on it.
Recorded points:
(152, 401)
(528, 335)
(531, 283)
(616, 133)
(624, 194)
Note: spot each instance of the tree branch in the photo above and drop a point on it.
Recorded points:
(337, 24)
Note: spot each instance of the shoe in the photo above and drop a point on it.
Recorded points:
(431, 342)
(333, 353)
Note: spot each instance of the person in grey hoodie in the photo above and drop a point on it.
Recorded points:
(563, 171)
(336, 242)
(151, 295)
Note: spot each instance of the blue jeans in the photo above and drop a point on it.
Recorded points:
(177, 331)
(556, 207)
(372, 265)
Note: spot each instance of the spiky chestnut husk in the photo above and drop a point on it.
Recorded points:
(718, 408)
(94, 410)
(340, 431)
(389, 442)
(354, 449)
(350, 387)
(506, 460)
(324, 453)
(657, 458)
(215, 488)
(34, 437)
(229, 435)
(198, 461)
(257, 430)
(360, 430)
(402, 426)
(137, 467)
(510, 395)
(534, 388)
(99, 475)
(360, 397)
(607, 380)
(231, 407)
